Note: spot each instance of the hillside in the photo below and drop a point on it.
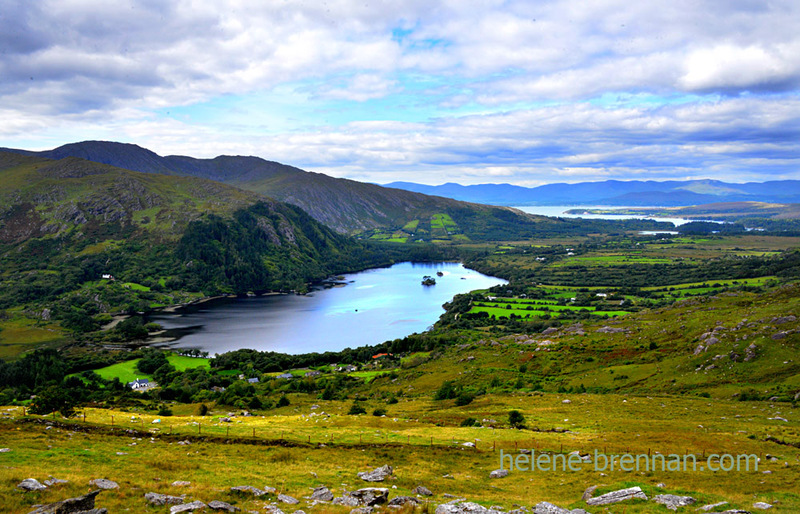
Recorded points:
(164, 239)
(616, 192)
(345, 205)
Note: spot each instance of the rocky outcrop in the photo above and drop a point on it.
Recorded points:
(321, 493)
(31, 484)
(673, 502)
(104, 483)
(289, 500)
(424, 491)
(617, 496)
(223, 506)
(371, 496)
(81, 504)
(187, 507)
(162, 499)
(499, 473)
(376, 475)
(248, 489)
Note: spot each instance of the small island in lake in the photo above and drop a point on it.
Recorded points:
(427, 280)
(439, 274)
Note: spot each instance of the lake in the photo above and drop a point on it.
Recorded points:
(372, 307)
(559, 212)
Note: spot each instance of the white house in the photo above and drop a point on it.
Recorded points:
(139, 383)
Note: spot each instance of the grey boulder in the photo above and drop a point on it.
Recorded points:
(218, 505)
(618, 496)
(162, 499)
(104, 483)
(376, 475)
(371, 496)
(187, 507)
(672, 502)
(321, 493)
(83, 503)
(31, 484)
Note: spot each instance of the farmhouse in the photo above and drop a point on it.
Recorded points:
(313, 373)
(252, 380)
(287, 376)
(139, 383)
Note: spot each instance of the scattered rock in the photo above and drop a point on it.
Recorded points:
(346, 500)
(370, 496)
(469, 444)
(362, 510)
(566, 401)
(321, 493)
(777, 336)
(187, 507)
(54, 481)
(218, 505)
(672, 502)
(31, 484)
(422, 491)
(5, 450)
(762, 505)
(618, 496)
(180, 483)
(290, 500)
(588, 492)
(399, 501)
(248, 489)
(376, 475)
(548, 508)
(711, 506)
(549, 331)
(461, 508)
(499, 473)
(104, 483)
(750, 352)
(81, 504)
(163, 499)
(783, 319)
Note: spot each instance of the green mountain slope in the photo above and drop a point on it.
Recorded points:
(345, 205)
(165, 239)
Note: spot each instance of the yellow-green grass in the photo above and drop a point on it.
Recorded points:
(219, 457)
(411, 226)
(18, 335)
(759, 281)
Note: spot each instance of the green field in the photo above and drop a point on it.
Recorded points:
(126, 371)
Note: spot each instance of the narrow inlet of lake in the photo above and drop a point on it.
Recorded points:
(371, 307)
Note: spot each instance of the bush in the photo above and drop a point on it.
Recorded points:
(356, 409)
(516, 419)
(202, 409)
(380, 411)
(283, 401)
(469, 422)
(164, 411)
(392, 400)
(464, 399)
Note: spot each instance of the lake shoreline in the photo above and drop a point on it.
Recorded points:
(246, 319)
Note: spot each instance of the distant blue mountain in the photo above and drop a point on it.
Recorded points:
(616, 192)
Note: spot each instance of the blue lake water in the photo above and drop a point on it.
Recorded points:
(374, 306)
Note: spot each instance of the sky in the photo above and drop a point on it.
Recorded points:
(522, 92)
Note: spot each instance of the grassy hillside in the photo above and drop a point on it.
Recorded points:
(65, 224)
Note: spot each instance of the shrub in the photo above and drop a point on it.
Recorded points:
(283, 401)
(464, 399)
(380, 411)
(469, 422)
(516, 419)
(356, 409)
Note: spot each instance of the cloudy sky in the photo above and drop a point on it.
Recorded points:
(525, 92)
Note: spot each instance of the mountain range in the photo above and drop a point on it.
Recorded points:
(616, 192)
(344, 205)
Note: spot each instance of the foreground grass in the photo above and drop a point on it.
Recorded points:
(280, 455)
